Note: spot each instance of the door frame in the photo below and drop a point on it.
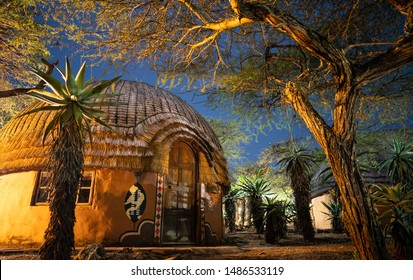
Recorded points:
(196, 198)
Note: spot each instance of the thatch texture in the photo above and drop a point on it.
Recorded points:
(318, 187)
(144, 128)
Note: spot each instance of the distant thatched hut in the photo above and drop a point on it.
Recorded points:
(156, 179)
(321, 189)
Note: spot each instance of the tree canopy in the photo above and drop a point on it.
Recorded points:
(327, 59)
(23, 42)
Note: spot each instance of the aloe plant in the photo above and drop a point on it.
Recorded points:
(230, 209)
(395, 209)
(275, 215)
(334, 212)
(399, 164)
(72, 103)
(297, 166)
(256, 189)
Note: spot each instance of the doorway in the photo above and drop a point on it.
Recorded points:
(179, 220)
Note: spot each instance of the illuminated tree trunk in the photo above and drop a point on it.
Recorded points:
(338, 145)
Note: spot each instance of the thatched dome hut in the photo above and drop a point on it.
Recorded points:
(156, 178)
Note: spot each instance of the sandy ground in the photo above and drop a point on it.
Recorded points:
(239, 246)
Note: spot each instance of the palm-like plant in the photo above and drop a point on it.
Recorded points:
(229, 203)
(395, 208)
(256, 189)
(276, 218)
(334, 212)
(297, 165)
(72, 102)
(399, 164)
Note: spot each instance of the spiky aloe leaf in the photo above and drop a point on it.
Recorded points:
(56, 86)
(80, 77)
(73, 100)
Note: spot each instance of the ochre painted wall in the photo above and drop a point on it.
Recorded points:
(23, 225)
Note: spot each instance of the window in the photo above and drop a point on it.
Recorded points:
(83, 195)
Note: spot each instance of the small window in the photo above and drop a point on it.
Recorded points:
(83, 196)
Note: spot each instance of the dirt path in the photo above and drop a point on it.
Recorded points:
(239, 246)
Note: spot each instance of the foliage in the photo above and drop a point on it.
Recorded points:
(298, 166)
(73, 101)
(256, 189)
(334, 212)
(229, 201)
(399, 163)
(232, 135)
(23, 41)
(11, 106)
(395, 209)
(336, 50)
(276, 217)
(72, 104)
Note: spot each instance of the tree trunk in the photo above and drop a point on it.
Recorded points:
(301, 191)
(230, 214)
(257, 216)
(358, 214)
(66, 172)
(338, 146)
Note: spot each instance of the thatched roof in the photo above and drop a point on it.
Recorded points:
(151, 120)
(318, 187)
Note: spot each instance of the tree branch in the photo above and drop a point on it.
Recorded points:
(312, 41)
(194, 10)
(315, 123)
(399, 54)
(40, 85)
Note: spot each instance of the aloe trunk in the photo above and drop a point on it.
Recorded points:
(66, 171)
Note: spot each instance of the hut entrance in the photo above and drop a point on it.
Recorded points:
(179, 222)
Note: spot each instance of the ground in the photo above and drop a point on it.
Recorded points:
(238, 246)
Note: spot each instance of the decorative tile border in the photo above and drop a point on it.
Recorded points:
(158, 209)
(202, 213)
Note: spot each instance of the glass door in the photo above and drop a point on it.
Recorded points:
(179, 220)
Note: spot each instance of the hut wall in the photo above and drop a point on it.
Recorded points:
(22, 225)
(212, 201)
(103, 221)
(321, 221)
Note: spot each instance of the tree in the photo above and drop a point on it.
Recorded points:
(231, 136)
(399, 164)
(72, 104)
(230, 201)
(23, 42)
(256, 189)
(298, 165)
(338, 48)
(276, 218)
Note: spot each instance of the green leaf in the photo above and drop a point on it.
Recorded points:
(71, 85)
(98, 96)
(47, 98)
(44, 108)
(98, 88)
(56, 86)
(66, 115)
(80, 77)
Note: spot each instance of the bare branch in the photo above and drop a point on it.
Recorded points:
(40, 85)
(194, 10)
